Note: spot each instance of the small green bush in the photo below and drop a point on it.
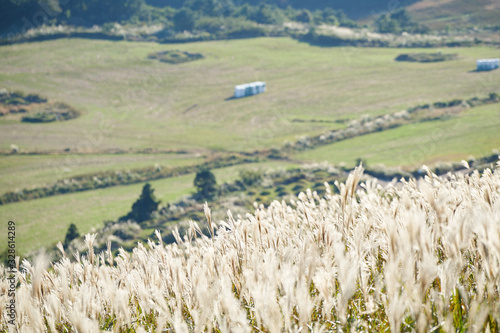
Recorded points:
(175, 56)
(52, 112)
(426, 57)
(250, 177)
(40, 117)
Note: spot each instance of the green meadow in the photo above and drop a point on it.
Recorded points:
(29, 171)
(130, 101)
(475, 132)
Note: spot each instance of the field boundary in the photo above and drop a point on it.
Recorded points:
(107, 179)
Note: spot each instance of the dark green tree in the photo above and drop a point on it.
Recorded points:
(184, 20)
(145, 205)
(268, 14)
(386, 24)
(206, 185)
(71, 234)
(329, 16)
(304, 16)
(397, 22)
(214, 8)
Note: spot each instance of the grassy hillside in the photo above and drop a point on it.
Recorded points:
(29, 171)
(138, 102)
(455, 13)
(473, 133)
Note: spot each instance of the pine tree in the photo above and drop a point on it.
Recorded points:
(145, 205)
(71, 234)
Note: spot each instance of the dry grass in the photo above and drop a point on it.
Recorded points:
(420, 257)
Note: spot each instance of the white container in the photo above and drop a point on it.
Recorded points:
(249, 89)
(487, 64)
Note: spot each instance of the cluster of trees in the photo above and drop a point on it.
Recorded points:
(147, 204)
(202, 15)
(210, 16)
(354, 9)
(397, 22)
(26, 14)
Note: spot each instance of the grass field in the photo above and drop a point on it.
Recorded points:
(137, 102)
(475, 132)
(43, 222)
(29, 171)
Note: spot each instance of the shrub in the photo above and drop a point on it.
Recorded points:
(175, 56)
(40, 117)
(250, 177)
(426, 57)
(210, 24)
(52, 112)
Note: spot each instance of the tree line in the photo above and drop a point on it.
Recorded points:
(209, 16)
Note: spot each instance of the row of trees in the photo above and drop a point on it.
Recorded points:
(210, 16)
(397, 22)
(29, 13)
(192, 15)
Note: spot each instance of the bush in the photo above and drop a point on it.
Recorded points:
(40, 117)
(426, 57)
(52, 112)
(210, 24)
(241, 28)
(175, 56)
(250, 177)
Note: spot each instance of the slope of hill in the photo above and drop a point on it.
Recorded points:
(456, 13)
(130, 101)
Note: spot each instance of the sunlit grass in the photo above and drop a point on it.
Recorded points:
(475, 132)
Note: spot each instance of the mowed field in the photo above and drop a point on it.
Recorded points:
(135, 102)
(130, 103)
(474, 133)
(29, 171)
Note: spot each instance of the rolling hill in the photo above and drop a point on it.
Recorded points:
(456, 13)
